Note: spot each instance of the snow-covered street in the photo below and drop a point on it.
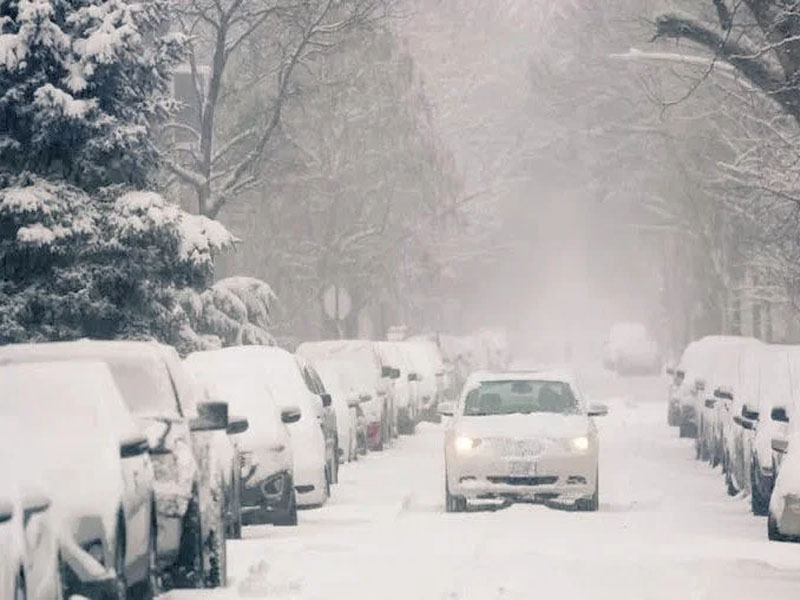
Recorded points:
(665, 529)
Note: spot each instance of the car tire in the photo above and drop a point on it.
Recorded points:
(758, 503)
(453, 504)
(188, 570)
(684, 430)
(730, 486)
(591, 504)
(288, 516)
(20, 590)
(773, 533)
(234, 524)
(120, 591)
(215, 559)
(151, 586)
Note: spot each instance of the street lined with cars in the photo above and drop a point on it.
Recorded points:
(193, 462)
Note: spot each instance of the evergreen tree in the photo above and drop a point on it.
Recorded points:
(83, 252)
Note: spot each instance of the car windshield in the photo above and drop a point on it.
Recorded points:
(521, 396)
(145, 386)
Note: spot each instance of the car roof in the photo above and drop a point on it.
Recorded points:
(562, 375)
(82, 349)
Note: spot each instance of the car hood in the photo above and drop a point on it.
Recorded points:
(524, 426)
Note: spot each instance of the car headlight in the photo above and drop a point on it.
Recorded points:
(580, 444)
(464, 443)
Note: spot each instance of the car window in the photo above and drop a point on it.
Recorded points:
(521, 396)
(146, 386)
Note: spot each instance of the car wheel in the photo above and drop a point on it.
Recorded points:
(188, 571)
(684, 430)
(453, 504)
(729, 484)
(215, 566)
(591, 504)
(288, 516)
(758, 503)
(773, 533)
(151, 586)
(20, 591)
(698, 450)
(120, 591)
(234, 525)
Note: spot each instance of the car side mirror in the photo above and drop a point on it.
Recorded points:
(749, 413)
(353, 401)
(211, 416)
(446, 409)
(134, 445)
(723, 393)
(34, 504)
(6, 511)
(780, 445)
(290, 415)
(237, 425)
(597, 410)
(326, 400)
(779, 414)
(710, 402)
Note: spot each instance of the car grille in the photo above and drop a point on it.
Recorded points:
(528, 481)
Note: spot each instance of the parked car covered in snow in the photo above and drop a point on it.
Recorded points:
(159, 393)
(783, 521)
(364, 363)
(98, 473)
(398, 368)
(731, 380)
(630, 350)
(345, 402)
(327, 416)
(521, 437)
(266, 465)
(780, 372)
(29, 538)
(226, 459)
(430, 368)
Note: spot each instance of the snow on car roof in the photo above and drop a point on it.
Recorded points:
(562, 375)
(138, 367)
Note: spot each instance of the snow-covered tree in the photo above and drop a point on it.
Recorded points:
(84, 252)
(75, 267)
(82, 85)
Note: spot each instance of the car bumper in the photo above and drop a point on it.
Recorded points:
(263, 498)
(566, 478)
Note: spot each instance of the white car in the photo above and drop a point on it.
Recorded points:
(267, 477)
(783, 521)
(159, 393)
(29, 561)
(630, 350)
(345, 403)
(95, 462)
(285, 381)
(780, 367)
(522, 437)
(373, 381)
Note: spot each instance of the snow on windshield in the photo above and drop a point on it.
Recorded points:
(520, 396)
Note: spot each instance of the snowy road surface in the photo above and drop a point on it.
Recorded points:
(665, 529)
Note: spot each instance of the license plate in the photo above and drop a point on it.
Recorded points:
(522, 468)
